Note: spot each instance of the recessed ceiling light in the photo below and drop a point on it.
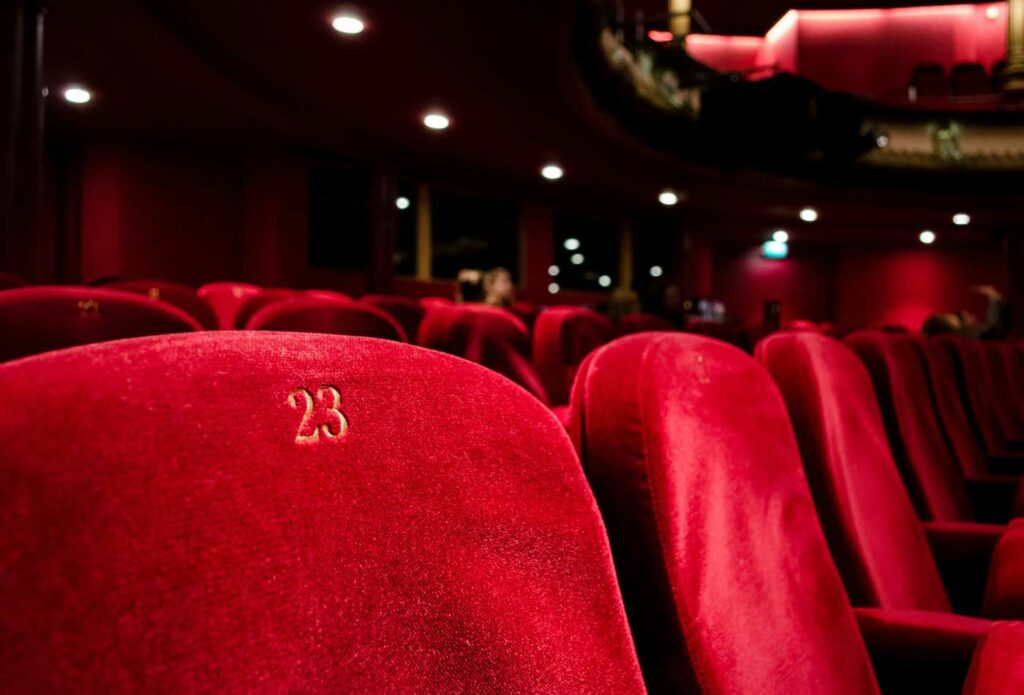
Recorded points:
(927, 237)
(992, 12)
(809, 215)
(604, 281)
(402, 203)
(77, 95)
(552, 172)
(668, 198)
(435, 120)
(554, 270)
(961, 219)
(656, 271)
(348, 24)
(571, 244)
(553, 288)
(780, 235)
(774, 249)
(576, 259)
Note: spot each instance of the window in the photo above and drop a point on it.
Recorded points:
(586, 253)
(339, 217)
(473, 232)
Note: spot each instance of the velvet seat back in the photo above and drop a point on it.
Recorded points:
(408, 312)
(266, 298)
(339, 317)
(976, 387)
(181, 296)
(875, 536)
(1008, 411)
(725, 572)
(944, 376)
(245, 511)
(919, 447)
(226, 298)
(562, 338)
(40, 319)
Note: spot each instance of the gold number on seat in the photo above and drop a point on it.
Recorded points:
(333, 410)
(333, 424)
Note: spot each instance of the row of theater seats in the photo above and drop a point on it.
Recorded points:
(278, 511)
(930, 81)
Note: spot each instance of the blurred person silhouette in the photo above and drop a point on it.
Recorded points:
(499, 289)
(469, 286)
(966, 324)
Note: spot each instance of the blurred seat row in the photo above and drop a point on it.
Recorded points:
(283, 511)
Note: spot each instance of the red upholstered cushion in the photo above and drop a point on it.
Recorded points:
(171, 524)
(38, 319)
(1009, 414)
(264, 299)
(562, 337)
(998, 665)
(408, 312)
(526, 311)
(798, 325)
(976, 384)
(1004, 595)
(487, 335)
(340, 317)
(924, 459)
(181, 296)
(726, 575)
(640, 322)
(875, 536)
(226, 298)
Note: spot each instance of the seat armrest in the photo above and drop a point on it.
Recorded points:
(995, 498)
(1004, 593)
(998, 664)
(963, 553)
(920, 651)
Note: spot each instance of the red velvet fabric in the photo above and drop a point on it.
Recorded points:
(42, 318)
(1013, 355)
(408, 312)
(875, 536)
(731, 333)
(1004, 594)
(640, 322)
(226, 298)
(257, 302)
(727, 578)
(1009, 414)
(922, 455)
(803, 325)
(167, 528)
(9, 281)
(562, 337)
(526, 312)
(339, 317)
(998, 665)
(976, 385)
(485, 335)
(181, 296)
(327, 294)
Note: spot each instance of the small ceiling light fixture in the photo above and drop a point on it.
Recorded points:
(775, 250)
(577, 259)
(552, 172)
(927, 237)
(604, 281)
(571, 244)
(780, 235)
(668, 198)
(554, 270)
(961, 219)
(992, 12)
(809, 215)
(435, 120)
(553, 288)
(77, 94)
(656, 271)
(348, 24)
(882, 140)
(402, 203)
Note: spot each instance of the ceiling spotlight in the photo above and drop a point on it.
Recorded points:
(348, 24)
(553, 288)
(961, 219)
(77, 95)
(656, 271)
(571, 244)
(668, 198)
(436, 120)
(554, 270)
(927, 237)
(402, 203)
(774, 249)
(552, 172)
(780, 235)
(604, 281)
(577, 259)
(992, 12)
(809, 215)
(882, 140)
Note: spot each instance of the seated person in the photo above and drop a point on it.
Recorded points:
(966, 325)
(469, 286)
(498, 288)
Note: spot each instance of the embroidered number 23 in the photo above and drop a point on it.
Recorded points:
(320, 415)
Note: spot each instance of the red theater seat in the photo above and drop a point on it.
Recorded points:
(640, 322)
(40, 319)
(881, 548)
(327, 294)
(434, 302)
(1009, 413)
(486, 335)
(731, 333)
(408, 312)
(243, 511)
(264, 299)
(340, 317)
(9, 281)
(562, 337)
(803, 325)
(181, 296)
(526, 312)
(933, 479)
(226, 298)
(727, 578)
(929, 81)
(969, 80)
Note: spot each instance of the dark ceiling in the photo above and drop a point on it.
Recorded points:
(272, 74)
